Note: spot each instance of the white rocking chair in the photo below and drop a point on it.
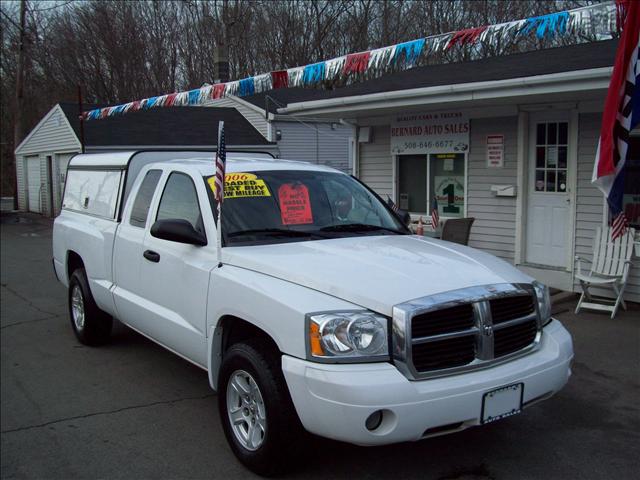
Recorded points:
(609, 268)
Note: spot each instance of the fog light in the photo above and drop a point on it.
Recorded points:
(374, 420)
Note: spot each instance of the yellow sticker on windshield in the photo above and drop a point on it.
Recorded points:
(237, 185)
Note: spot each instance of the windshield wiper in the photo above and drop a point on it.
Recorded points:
(283, 232)
(358, 227)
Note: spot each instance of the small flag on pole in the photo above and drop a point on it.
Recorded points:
(221, 161)
(392, 205)
(435, 218)
(621, 114)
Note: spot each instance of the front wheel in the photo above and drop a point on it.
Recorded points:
(256, 411)
(91, 325)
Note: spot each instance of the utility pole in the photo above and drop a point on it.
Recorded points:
(17, 125)
(221, 60)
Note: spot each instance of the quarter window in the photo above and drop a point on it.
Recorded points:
(180, 201)
(140, 210)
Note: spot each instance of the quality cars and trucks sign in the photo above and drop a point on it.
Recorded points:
(438, 132)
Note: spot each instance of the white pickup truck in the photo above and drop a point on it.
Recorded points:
(319, 310)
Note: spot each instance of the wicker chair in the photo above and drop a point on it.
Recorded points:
(457, 230)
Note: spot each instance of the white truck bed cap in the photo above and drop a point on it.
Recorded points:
(121, 159)
(109, 160)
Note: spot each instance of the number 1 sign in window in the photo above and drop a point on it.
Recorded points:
(551, 157)
(446, 183)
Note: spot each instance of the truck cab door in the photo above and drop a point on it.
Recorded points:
(174, 276)
(128, 249)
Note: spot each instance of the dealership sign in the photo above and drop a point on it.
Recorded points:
(441, 132)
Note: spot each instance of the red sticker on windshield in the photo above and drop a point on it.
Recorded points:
(295, 208)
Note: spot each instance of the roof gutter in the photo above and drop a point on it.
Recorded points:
(590, 79)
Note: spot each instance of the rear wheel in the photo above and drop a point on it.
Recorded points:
(256, 411)
(91, 325)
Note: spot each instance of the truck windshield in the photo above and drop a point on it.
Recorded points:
(296, 205)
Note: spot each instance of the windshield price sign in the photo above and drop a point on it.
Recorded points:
(441, 132)
(238, 185)
(295, 207)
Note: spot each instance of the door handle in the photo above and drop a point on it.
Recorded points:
(151, 256)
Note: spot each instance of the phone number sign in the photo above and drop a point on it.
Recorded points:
(440, 132)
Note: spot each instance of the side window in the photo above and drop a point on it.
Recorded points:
(140, 209)
(180, 201)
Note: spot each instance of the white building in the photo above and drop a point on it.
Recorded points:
(508, 140)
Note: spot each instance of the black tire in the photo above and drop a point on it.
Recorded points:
(95, 328)
(275, 454)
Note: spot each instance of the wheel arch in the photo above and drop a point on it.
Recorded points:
(229, 330)
(74, 261)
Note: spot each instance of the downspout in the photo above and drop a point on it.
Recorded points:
(355, 131)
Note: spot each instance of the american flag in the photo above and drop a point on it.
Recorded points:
(435, 218)
(392, 204)
(621, 114)
(221, 161)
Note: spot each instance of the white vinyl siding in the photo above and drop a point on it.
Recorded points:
(590, 205)
(494, 229)
(53, 134)
(315, 143)
(376, 168)
(54, 137)
(21, 177)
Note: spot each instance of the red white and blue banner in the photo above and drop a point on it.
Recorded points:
(621, 115)
(596, 20)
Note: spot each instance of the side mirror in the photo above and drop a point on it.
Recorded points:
(176, 230)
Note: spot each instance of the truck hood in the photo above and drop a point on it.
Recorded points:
(376, 272)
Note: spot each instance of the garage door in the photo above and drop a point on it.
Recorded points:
(33, 183)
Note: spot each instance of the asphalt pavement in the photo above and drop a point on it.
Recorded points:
(133, 410)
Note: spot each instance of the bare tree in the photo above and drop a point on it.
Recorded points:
(119, 51)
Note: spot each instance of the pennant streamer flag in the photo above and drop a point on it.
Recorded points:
(599, 20)
(621, 115)
(221, 161)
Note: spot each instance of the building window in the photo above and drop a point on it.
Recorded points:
(412, 183)
(551, 157)
(631, 197)
(421, 178)
(446, 183)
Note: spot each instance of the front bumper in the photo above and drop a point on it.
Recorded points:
(334, 401)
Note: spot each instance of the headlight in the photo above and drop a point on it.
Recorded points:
(347, 337)
(544, 302)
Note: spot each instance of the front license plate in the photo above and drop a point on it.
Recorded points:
(502, 402)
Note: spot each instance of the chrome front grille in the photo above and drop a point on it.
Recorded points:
(464, 329)
(442, 321)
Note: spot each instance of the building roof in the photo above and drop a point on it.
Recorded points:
(171, 126)
(538, 62)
